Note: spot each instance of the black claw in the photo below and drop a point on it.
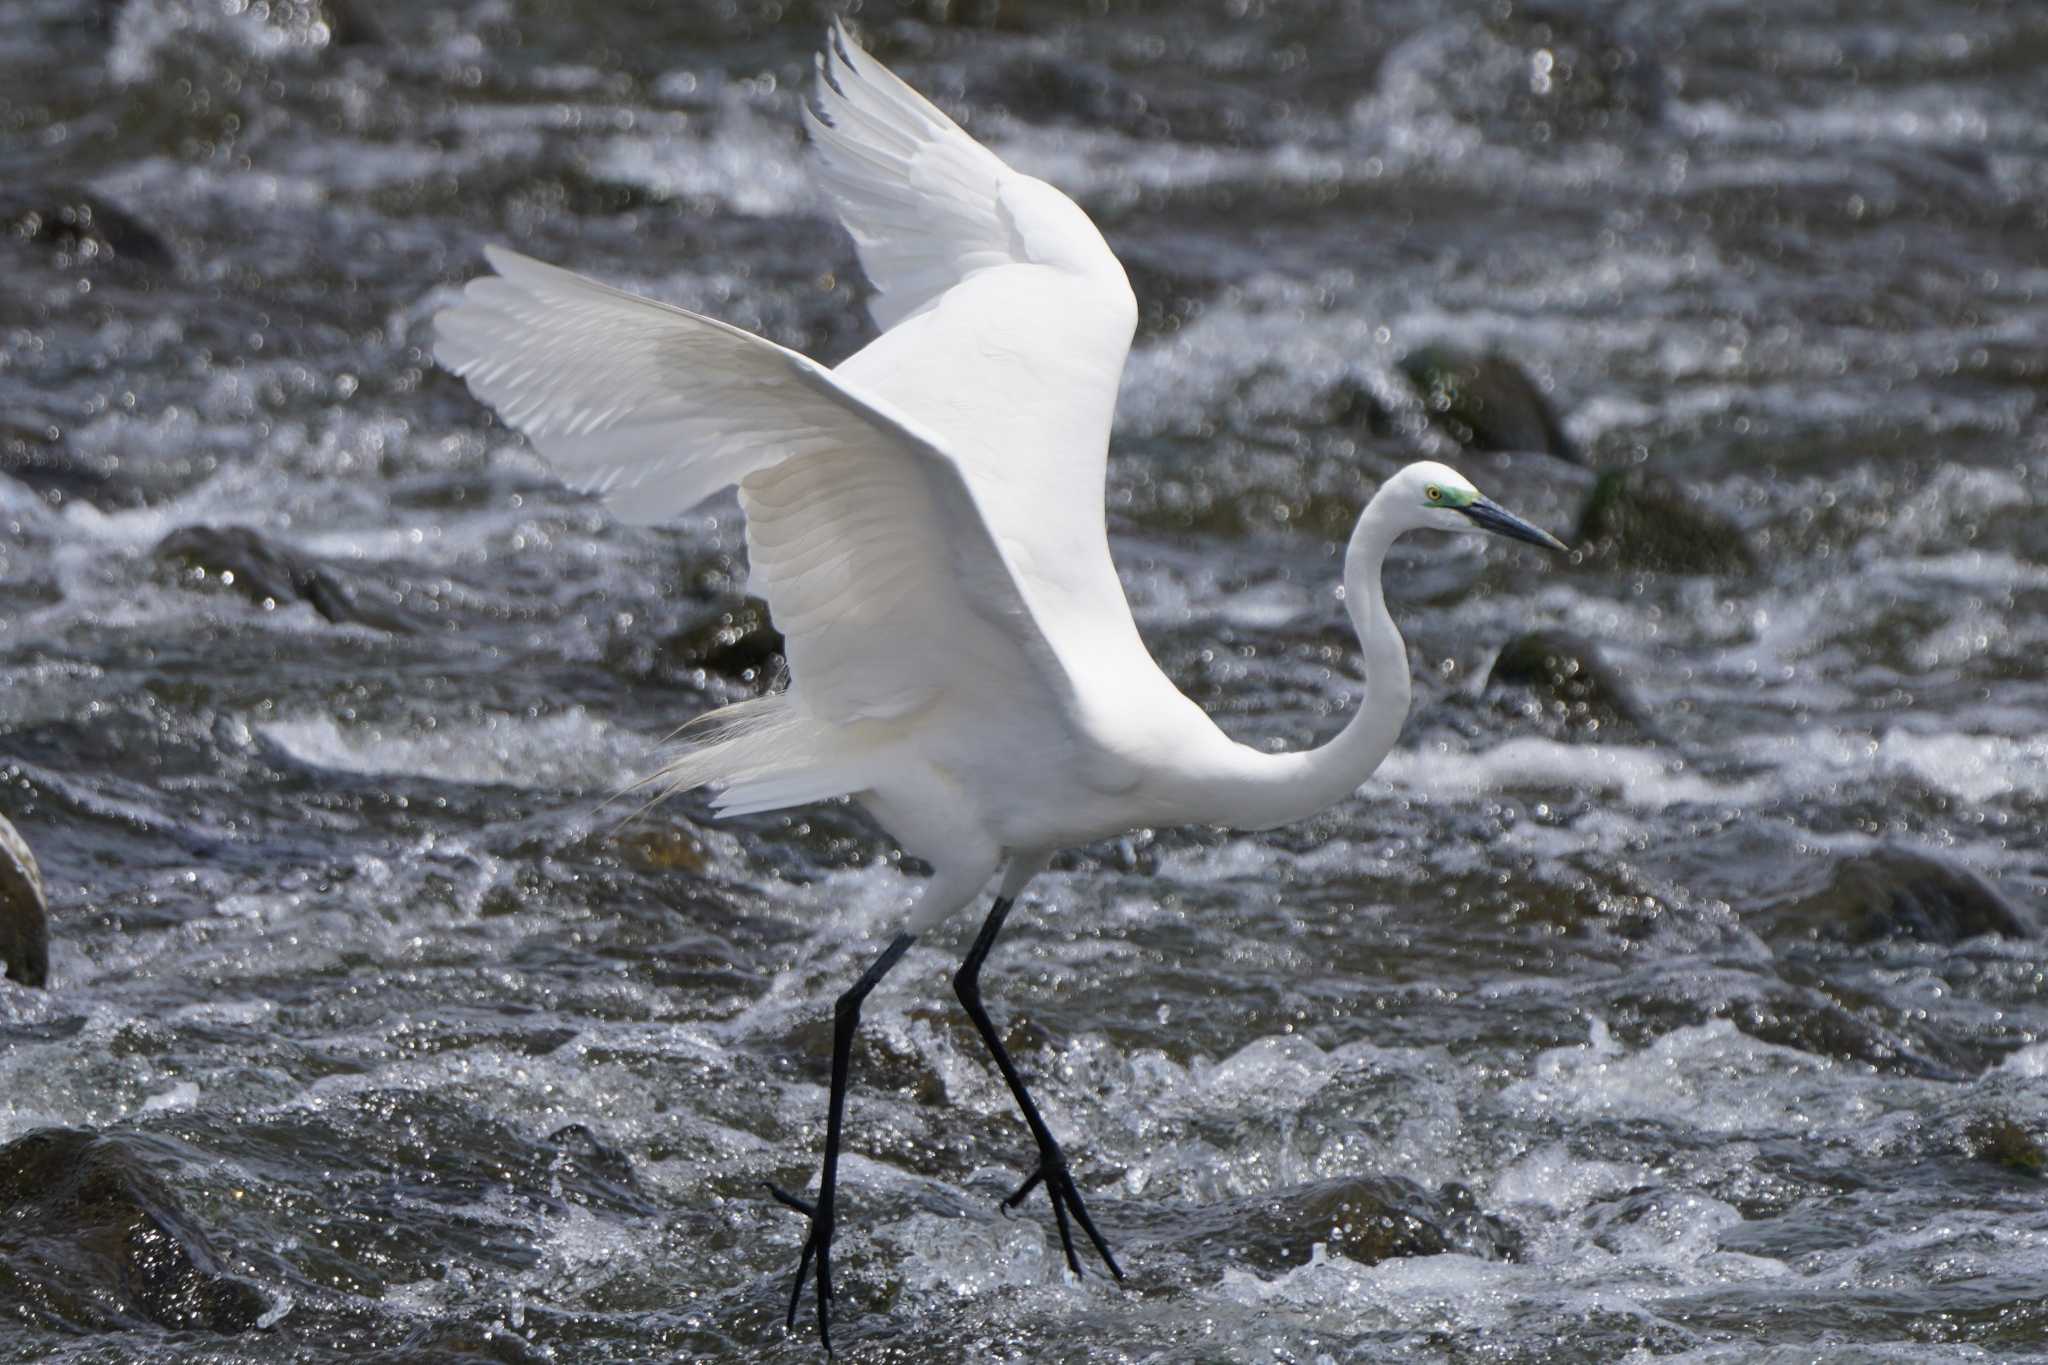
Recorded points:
(1066, 1198)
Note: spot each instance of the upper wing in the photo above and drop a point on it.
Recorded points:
(918, 195)
(1008, 321)
(863, 537)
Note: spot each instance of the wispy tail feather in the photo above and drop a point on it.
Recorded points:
(762, 755)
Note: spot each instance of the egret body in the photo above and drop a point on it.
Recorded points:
(927, 526)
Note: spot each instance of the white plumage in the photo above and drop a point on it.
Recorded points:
(926, 524)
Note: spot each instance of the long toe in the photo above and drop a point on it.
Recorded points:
(1066, 1200)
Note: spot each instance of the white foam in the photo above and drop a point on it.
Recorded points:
(1637, 776)
(1552, 1177)
(1710, 1077)
(1972, 767)
(182, 1095)
(571, 749)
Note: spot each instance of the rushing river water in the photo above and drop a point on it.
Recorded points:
(1707, 1022)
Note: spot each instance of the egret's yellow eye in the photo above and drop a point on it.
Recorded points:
(1433, 493)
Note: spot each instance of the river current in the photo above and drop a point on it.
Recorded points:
(1701, 1017)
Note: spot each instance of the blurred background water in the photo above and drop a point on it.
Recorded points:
(1675, 991)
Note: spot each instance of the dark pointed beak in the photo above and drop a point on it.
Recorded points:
(1491, 516)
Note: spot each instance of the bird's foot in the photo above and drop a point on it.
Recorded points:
(819, 1245)
(1059, 1187)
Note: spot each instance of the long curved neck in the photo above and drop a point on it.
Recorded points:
(1274, 789)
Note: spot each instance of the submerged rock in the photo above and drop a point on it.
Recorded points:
(24, 912)
(591, 1173)
(1579, 73)
(1897, 893)
(734, 642)
(270, 574)
(1366, 1219)
(1809, 1021)
(87, 227)
(1634, 520)
(1572, 685)
(1485, 401)
(39, 458)
(2004, 1141)
(91, 1240)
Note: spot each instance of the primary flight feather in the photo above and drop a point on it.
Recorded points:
(926, 524)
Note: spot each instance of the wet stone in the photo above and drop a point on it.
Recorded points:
(86, 227)
(39, 458)
(733, 642)
(1634, 520)
(1813, 1024)
(24, 911)
(1582, 75)
(1901, 894)
(2004, 1141)
(590, 1172)
(460, 1342)
(1350, 405)
(1485, 401)
(268, 572)
(1571, 687)
(92, 1240)
(1366, 1219)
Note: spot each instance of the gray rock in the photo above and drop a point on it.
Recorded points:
(38, 457)
(1571, 685)
(267, 571)
(1634, 520)
(1366, 1219)
(1898, 893)
(86, 227)
(1485, 401)
(91, 1240)
(24, 912)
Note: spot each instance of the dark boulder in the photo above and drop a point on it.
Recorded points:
(589, 1172)
(348, 25)
(1569, 686)
(1578, 73)
(1811, 1021)
(1351, 406)
(269, 573)
(2005, 1141)
(1485, 401)
(38, 457)
(739, 643)
(91, 1240)
(1366, 1219)
(1896, 893)
(86, 227)
(1634, 520)
(24, 913)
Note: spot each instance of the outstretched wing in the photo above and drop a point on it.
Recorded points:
(607, 384)
(865, 540)
(1008, 320)
(921, 199)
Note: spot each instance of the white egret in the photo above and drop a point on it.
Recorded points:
(926, 523)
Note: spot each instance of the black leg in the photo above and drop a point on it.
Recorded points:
(845, 1016)
(1052, 1162)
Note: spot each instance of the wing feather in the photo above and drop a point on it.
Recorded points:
(863, 536)
(917, 193)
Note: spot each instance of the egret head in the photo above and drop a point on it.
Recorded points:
(1436, 497)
